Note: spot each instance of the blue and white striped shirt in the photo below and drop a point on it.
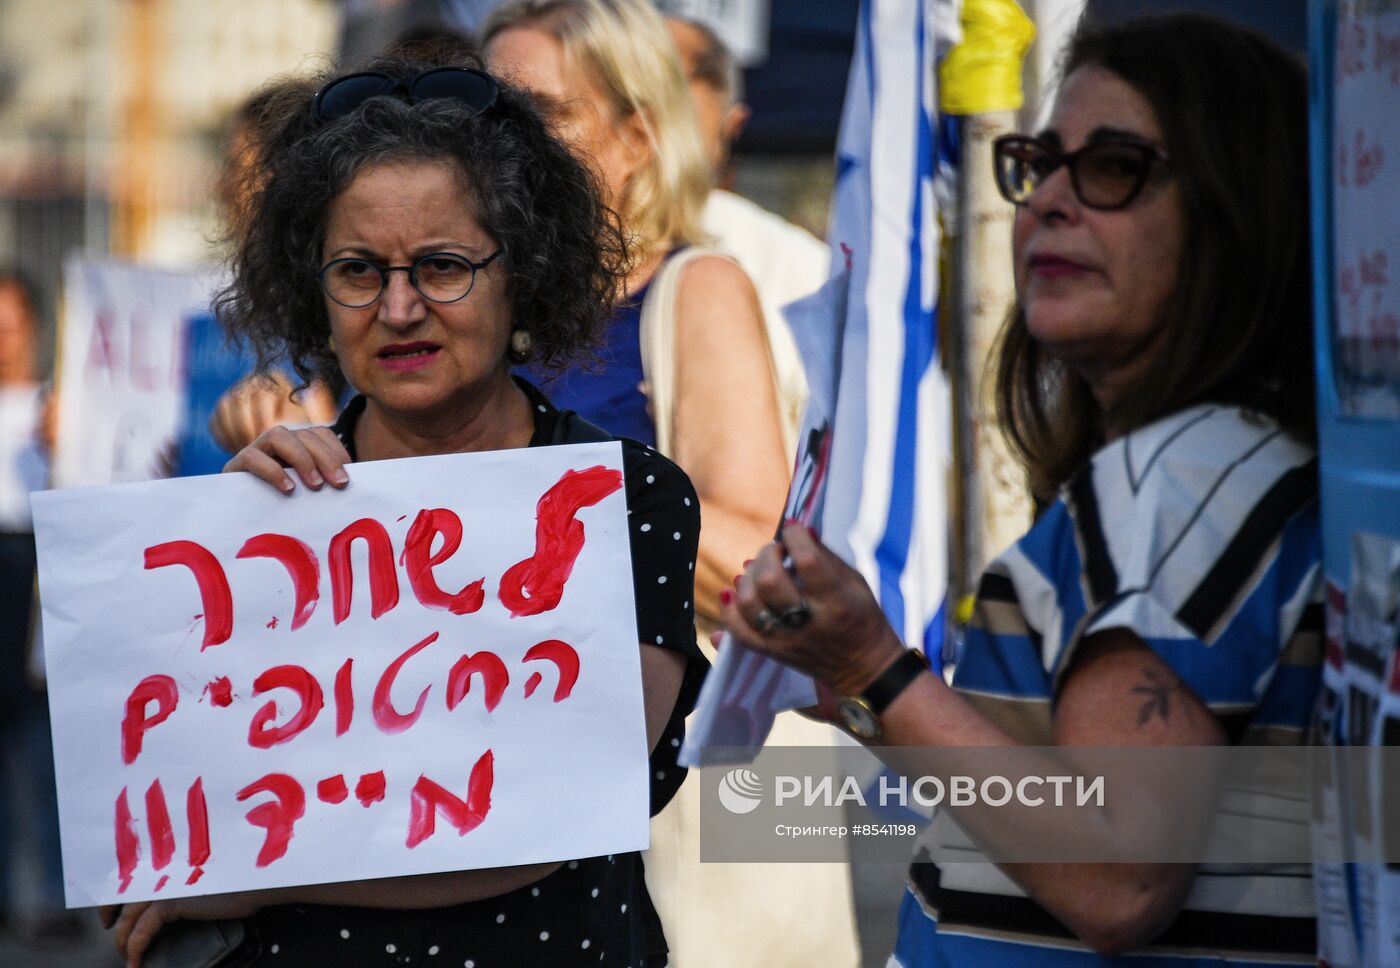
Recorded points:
(1198, 533)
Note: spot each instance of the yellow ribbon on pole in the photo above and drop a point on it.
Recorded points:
(983, 72)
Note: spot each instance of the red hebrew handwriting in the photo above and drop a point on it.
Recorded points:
(197, 812)
(429, 798)
(1351, 49)
(162, 834)
(383, 579)
(308, 690)
(1387, 55)
(128, 845)
(344, 698)
(158, 823)
(530, 587)
(1369, 327)
(386, 717)
(158, 689)
(1369, 274)
(220, 692)
(209, 575)
(1375, 269)
(370, 788)
(264, 733)
(300, 562)
(1369, 158)
(536, 584)
(564, 658)
(279, 816)
(419, 559)
(1350, 289)
(493, 676)
(332, 789)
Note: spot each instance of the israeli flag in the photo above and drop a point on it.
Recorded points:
(886, 508)
(875, 446)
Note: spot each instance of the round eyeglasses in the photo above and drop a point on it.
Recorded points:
(1105, 175)
(440, 277)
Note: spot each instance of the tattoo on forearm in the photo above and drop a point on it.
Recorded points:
(1158, 689)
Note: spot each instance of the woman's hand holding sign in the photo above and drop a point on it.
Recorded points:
(136, 925)
(314, 453)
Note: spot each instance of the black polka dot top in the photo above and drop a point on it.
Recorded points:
(592, 911)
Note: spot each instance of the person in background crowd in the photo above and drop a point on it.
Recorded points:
(225, 408)
(1155, 377)
(689, 366)
(448, 236)
(785, 261)
(28, 801)
(716, 87)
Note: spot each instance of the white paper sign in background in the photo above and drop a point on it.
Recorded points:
(743, 25)
(121, 379)
(1366, 206)
(436, 669)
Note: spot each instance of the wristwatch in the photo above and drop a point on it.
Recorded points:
(862, 713)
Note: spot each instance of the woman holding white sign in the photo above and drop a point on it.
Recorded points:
(1155, 378)
(418, 229)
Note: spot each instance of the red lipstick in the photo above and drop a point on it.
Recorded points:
(404, 357)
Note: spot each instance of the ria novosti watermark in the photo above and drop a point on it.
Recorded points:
(1154, 805)
(741, 791)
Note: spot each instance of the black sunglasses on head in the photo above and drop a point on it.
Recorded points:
(476, 89)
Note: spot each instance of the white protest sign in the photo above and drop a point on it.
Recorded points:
(121, 380)
(435, 669)
(1365, 143)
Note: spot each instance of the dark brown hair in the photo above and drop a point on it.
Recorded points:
(1233, 111)
(565, 254)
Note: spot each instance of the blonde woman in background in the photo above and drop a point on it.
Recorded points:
(686, 367)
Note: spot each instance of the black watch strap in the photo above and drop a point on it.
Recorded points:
(890, 683)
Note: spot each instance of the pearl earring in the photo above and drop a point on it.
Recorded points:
(521, 341)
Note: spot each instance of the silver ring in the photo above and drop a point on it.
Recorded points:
(765, 621)
(797, 616)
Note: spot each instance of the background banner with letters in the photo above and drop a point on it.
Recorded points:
(121, 370)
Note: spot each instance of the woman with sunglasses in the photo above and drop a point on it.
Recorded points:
(1155, 378)
(421, 231)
